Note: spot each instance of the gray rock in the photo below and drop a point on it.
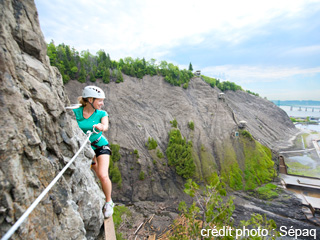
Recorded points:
(38, 138)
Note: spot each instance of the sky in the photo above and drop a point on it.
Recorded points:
(268, 47)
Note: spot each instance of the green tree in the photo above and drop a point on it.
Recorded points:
(119, 76)
(106, 75)
(74, 71)
(179, 153)
(92, 77)
(141, 175)
(132, 71)
(174, 123)
(52, 53)
(191, 125)
(83, 73)
(190, 67)
(207, 210)
(151, 144)
(115, 148)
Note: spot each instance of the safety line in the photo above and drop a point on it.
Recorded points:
(39, 198)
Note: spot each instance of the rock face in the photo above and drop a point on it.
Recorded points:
(38, 138)
(143, 108)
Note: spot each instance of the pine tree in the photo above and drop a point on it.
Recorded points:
(92, 77)
(106, 75)
(190, 67)
(83, 73)
(119, 76)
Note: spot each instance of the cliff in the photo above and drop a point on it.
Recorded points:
(143, 108)
(39, 136)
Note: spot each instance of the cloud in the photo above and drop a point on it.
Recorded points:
(288, 94)
(149, 29)
(248, 74)
(304, 50)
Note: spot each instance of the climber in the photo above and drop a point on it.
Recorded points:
(90, 117)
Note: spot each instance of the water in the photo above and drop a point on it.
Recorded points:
(303, 113)
(312, 127)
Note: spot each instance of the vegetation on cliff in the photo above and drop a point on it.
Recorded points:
(251, 167)
(210, 215)
(86, 66)
(179, 153)
(115, 174)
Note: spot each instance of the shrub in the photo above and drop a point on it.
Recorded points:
(191, 125)
(119, 215)
(141, 175)
(151, 144)
(115, 175)
(136, 153)
(159, 154)
(246, 134)
(174, 123)
(115, 152)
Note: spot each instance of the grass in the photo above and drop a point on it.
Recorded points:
(259, 167)
(120, 213)
(267, 192)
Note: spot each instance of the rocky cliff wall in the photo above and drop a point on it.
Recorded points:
(143, 108)
(38, 138)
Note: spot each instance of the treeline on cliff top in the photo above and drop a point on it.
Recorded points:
(84, 66)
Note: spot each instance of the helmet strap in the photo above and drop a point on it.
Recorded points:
(92, 104)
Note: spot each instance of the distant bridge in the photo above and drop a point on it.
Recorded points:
(305, 108)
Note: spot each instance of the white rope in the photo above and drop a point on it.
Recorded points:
(35, 203)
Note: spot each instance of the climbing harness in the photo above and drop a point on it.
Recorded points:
(94, 143)
(45, 191)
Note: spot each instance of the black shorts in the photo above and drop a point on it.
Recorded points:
(103, 150)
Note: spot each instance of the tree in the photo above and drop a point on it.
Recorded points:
(74, 71)
(119, 76)
(106, 75)
(151, 144)
(52, 53)
(210, 212)
(207, 210)
(83, 73)
(190, 67)
(92, 77)
(179, 153)
(132, 72)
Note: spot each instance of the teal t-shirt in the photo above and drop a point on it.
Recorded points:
(86, 124)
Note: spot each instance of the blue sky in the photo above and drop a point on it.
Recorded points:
(268, 47)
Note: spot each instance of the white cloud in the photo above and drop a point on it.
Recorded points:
(284, 94)
(249, 74)
(151, 28)
(305, 50)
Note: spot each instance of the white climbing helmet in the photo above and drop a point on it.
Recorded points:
(93, 91)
